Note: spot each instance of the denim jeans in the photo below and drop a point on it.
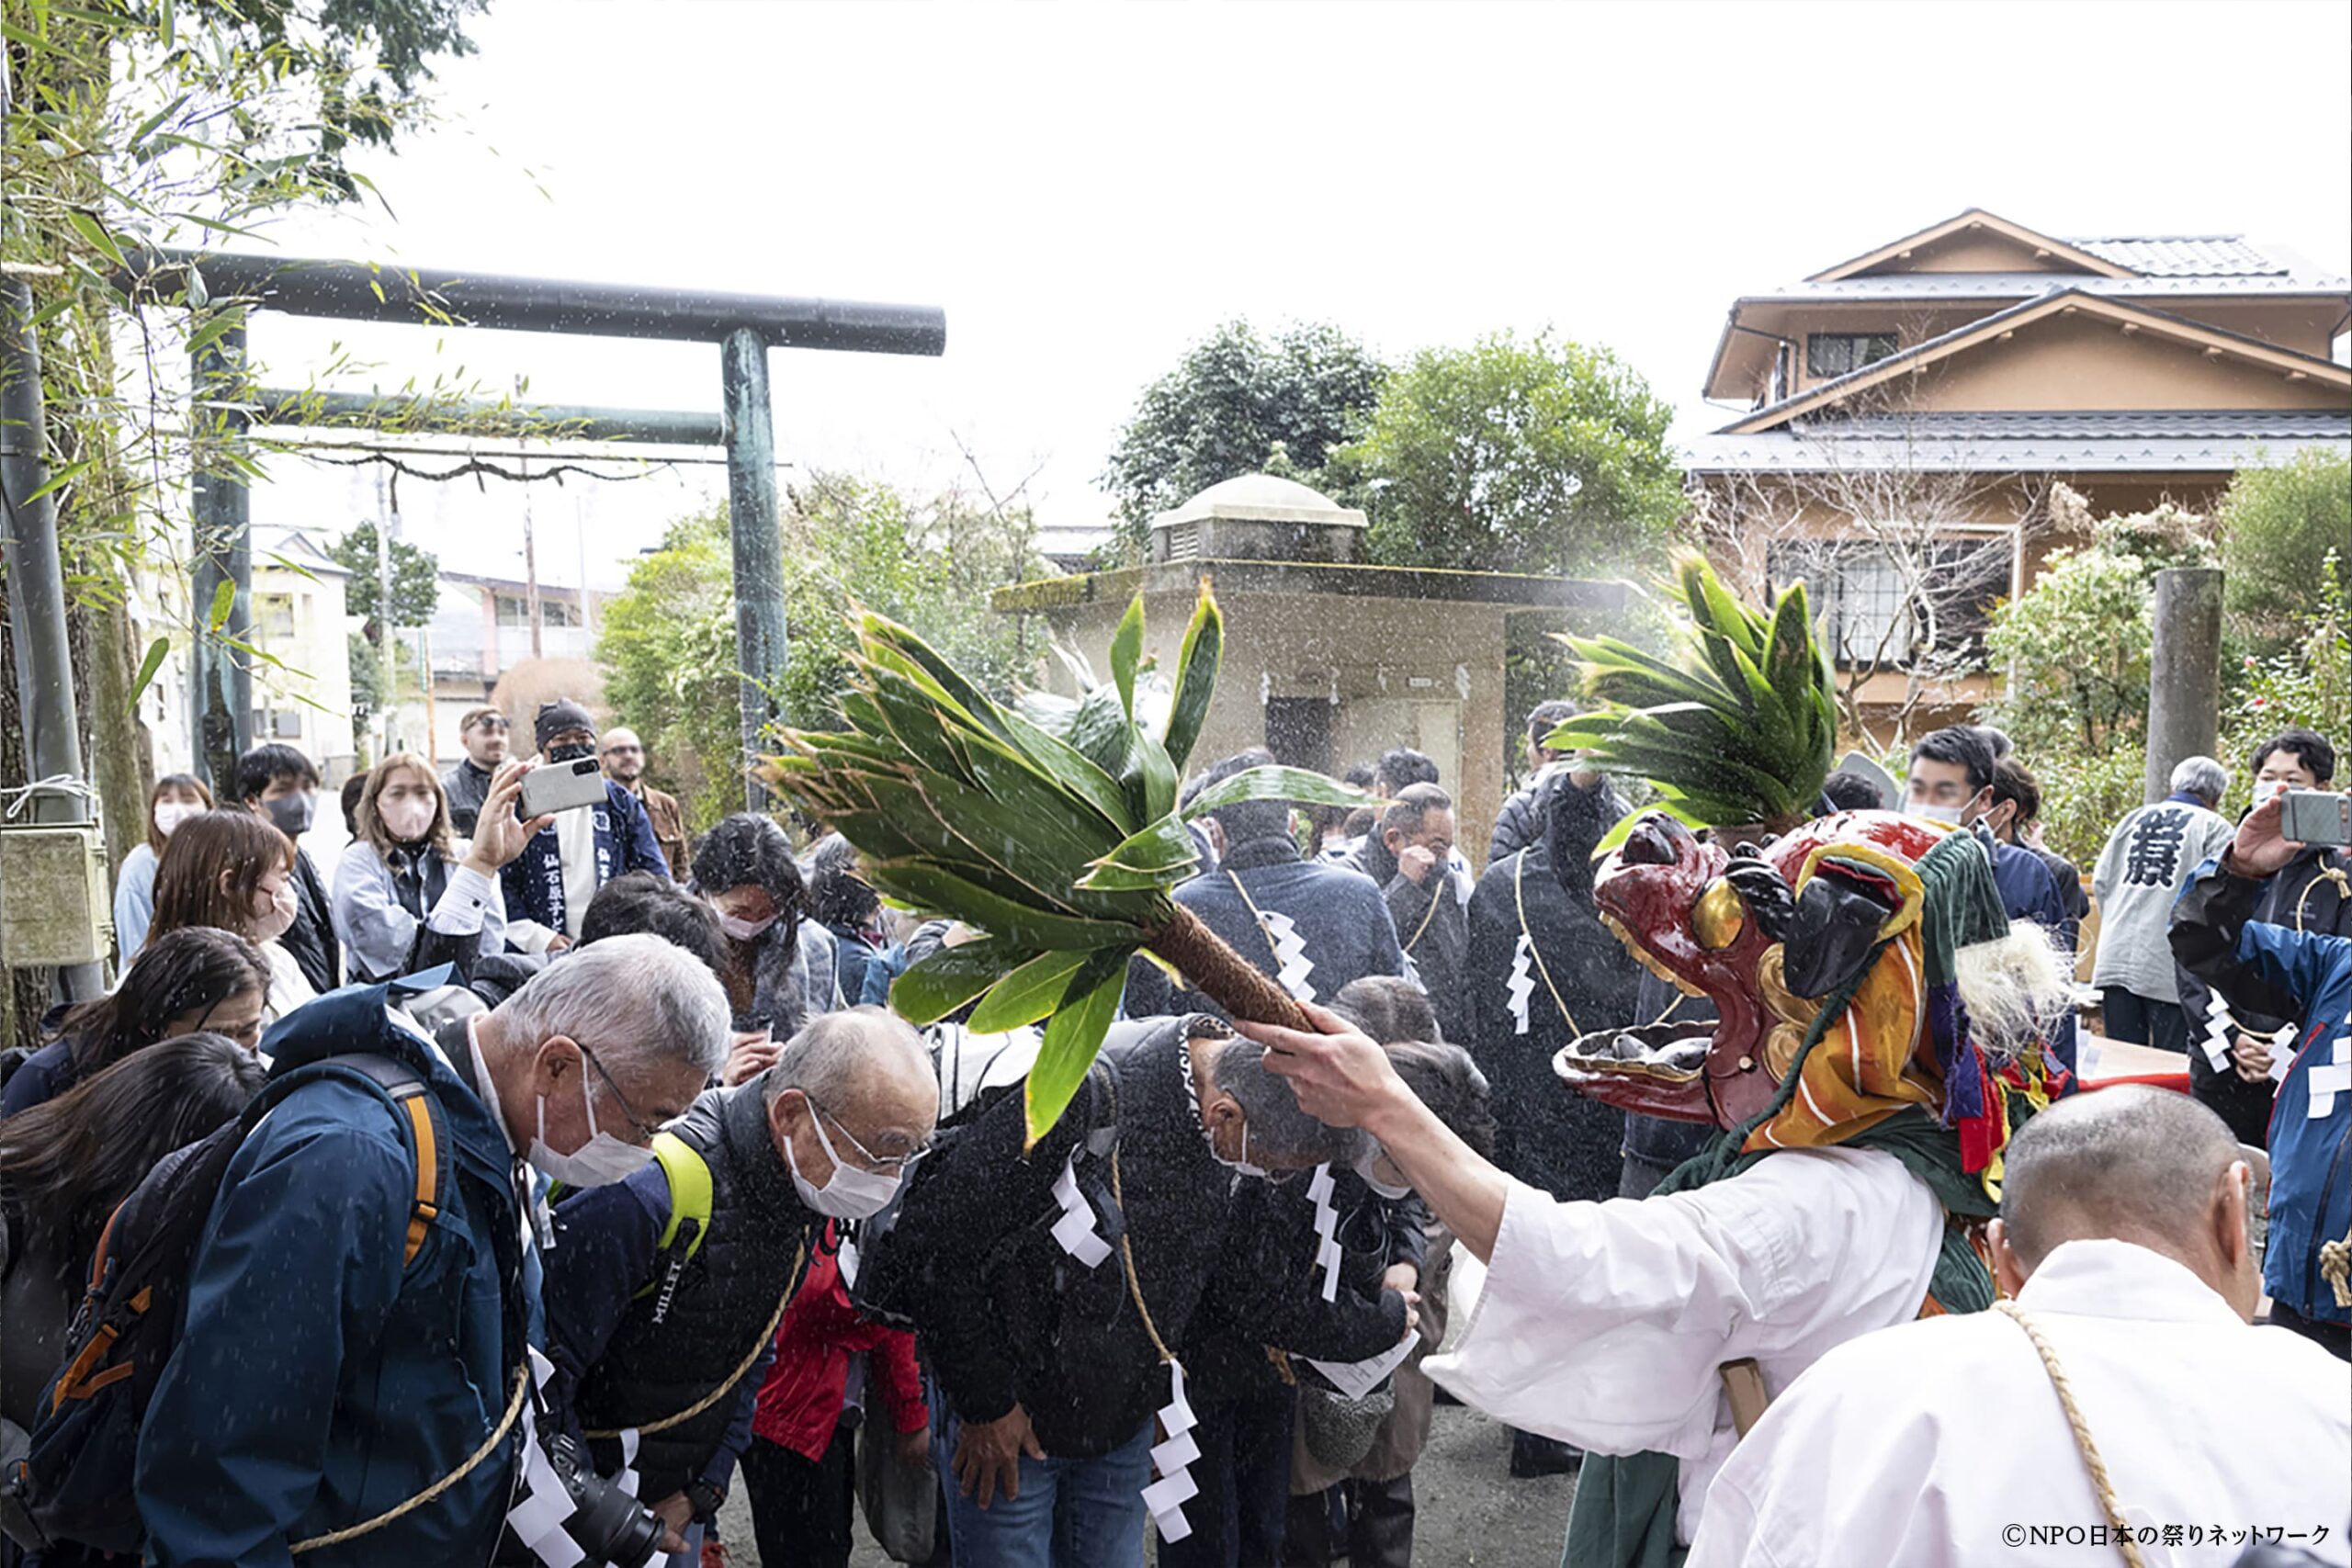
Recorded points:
(1071, 1513)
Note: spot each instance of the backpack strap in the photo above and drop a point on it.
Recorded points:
(414, 1107)
(691, 1200)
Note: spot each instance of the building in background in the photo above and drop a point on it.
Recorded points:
(1910, 408)
(479, 649)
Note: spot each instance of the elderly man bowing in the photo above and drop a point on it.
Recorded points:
(2123, 1244)
(663, 1292)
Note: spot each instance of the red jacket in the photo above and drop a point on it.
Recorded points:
(800, 1404)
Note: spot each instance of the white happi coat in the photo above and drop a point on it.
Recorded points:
(1603, 1324)
(1924, 1444)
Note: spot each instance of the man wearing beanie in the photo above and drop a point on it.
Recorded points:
(548, 885)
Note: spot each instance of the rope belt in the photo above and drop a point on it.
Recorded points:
(2091, 1461)
(490, 1445)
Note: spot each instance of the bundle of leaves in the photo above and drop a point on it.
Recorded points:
(1736, 727)
(1060, 842)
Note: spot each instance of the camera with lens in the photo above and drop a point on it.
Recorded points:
(609, 1524)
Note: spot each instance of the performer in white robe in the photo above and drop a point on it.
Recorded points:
(1935, 1444)
(1612, 1325)
(1603, 1324)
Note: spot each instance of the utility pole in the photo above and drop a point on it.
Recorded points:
(530, 560)
(388, 522)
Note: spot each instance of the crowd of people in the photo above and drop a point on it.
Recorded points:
(517, 1189)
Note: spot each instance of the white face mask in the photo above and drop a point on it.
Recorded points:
(1368, 1165)
(170, 814)
(270, 927)
(2264, 790)
(743, 930)
(602, 1160)
(407, 819)
(1947, 814)
(849, 1193)
(1241, 1165)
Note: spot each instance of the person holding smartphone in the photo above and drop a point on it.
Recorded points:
(548, 885)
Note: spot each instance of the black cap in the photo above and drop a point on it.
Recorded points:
(557, 717)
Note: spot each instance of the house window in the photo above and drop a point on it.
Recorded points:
(1874, 616)
(1839, 353)
(273, 616)
(514, 610)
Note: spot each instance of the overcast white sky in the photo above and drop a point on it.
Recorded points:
(1087, 189)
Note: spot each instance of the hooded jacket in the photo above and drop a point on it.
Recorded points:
(318, 1382)
(1036, 1326)
(2289, 974)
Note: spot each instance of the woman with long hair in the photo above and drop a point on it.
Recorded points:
(845, 904)
(745, 870)
(174, 799)
(65, 1166)
(403, 899)
(234, 871)
(195, 979)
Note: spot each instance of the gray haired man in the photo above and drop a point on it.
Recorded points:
(2149, 858)
(642, 1329)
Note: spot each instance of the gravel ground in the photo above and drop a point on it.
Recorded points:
(1472, 1514)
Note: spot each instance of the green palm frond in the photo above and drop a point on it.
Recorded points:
(1738, 726)
(1051, 829)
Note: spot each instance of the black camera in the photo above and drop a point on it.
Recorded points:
(610, 1525)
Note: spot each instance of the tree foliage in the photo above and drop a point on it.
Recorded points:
(2076, 650)
(1531, 455)
(2278, 525)
(668, 639)
(1238, 403)
(416, 578)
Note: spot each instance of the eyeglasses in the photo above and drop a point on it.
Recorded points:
(880, 1165)
(624, 751)
(643, 1129)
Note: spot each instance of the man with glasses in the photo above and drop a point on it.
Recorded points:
(344, 1355)
(484, 733)
(623, 755)
(647, 1319)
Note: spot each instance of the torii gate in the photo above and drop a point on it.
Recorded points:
(744, 326)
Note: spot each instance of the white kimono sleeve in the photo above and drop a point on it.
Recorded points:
(1603, 1325)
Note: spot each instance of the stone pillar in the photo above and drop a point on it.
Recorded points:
(2185, 673)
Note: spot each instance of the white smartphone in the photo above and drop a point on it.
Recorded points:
(2316, 817)
(562, 787)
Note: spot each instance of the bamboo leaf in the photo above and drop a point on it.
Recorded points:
(1073, 1039)
(950, 978)
(1164, 849)
(94, 231)
(1126, 653)
(1196, 665)
(942, 892)
(1297, 786)
(147, 668)
(1026, 994)
(224, 599)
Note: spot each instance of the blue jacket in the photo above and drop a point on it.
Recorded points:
(533, 881)
(1332, 920)
(318, 1383)
(2290, 973)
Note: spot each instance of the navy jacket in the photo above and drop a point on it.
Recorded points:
(2288, 974)
(533, 881)
(318, 1383)
(40, 1077)
(1337, 915)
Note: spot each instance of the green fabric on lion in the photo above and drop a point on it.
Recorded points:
(1624, 1513)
